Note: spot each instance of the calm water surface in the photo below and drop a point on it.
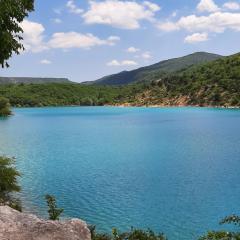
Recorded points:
(175, 170)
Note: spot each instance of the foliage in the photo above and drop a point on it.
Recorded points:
(53, 211)
(212, 84)
(12, 13)
(158, 70)
(63, 94)
(4, 107)
(133, 234)
(9, 182)
(224, 235)
(221, 235)
(233, 219)
(28, 80)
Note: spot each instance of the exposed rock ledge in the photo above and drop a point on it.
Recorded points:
(19, 226)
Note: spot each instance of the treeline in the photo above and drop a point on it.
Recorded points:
(212, 84)
(58, 94)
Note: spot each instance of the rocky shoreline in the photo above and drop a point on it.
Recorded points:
(15, 225)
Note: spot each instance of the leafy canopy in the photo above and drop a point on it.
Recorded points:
(8, 182)
(12, 13)
(133, 234)
(4, 107)
(224, 235)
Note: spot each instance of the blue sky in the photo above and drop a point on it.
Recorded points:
(85, 40)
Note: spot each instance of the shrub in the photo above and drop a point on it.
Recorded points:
(53, 211)
(4, 107)
(9, 183)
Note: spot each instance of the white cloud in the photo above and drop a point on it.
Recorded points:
(196, 38)
(168, 26)
(33, 36)
(129, 63)
(73, 7)
(113, 39)
(215, 22)
(116, 63)
(77, 40)
(133, 50)
(120, 14)
(174, 14)
(232, 6)
(152, 6)
(34, 40)
(207, 6)
(45, 61)
(146, 55)
(57, 20)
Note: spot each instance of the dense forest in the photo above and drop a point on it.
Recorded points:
(215, 83)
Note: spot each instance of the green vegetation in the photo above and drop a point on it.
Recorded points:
(224, 235)
(12, 13)
(131, 235)
(28, 80)
(212, 84)
(150, 235)
(158, 70)
(53, 211)
(52, 94)
(216, 83)
(4, 107)
(8, 182)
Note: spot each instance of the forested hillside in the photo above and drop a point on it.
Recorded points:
(215, 83)
(28, 80)
(155, 71)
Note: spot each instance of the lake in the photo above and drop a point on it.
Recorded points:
(174, 170)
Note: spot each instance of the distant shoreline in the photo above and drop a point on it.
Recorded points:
(137, 106)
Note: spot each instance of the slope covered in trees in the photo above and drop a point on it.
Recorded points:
(215, 83)
(153, 72)
(28, 80)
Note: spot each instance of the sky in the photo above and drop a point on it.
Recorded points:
(83, 40)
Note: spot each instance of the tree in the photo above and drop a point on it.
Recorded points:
(53, 211)
(9, 182)
(4, 107)
(133, 234)
(224, 235)
(12, 13)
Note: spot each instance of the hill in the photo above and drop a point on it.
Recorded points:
(215, 83)
(29, 80)
(158, 70)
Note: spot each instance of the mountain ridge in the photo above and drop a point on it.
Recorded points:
(215, 83)
(32, 80)
(154, 71)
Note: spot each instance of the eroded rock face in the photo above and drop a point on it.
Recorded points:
(19, 226)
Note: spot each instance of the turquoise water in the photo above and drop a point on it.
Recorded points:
(175, 170)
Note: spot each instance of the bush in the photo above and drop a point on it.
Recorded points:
(4, 107)
(224, 235)
(8, 183)
(133, 234)
(53, 211)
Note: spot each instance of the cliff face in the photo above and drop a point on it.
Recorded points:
(19, 226)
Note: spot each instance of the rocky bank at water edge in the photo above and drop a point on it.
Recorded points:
(20, 226)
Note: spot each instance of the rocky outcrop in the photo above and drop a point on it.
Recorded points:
(20, 226)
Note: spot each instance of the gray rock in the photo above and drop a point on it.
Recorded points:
(20, 226)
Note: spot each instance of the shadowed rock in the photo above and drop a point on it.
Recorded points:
(19, 226)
